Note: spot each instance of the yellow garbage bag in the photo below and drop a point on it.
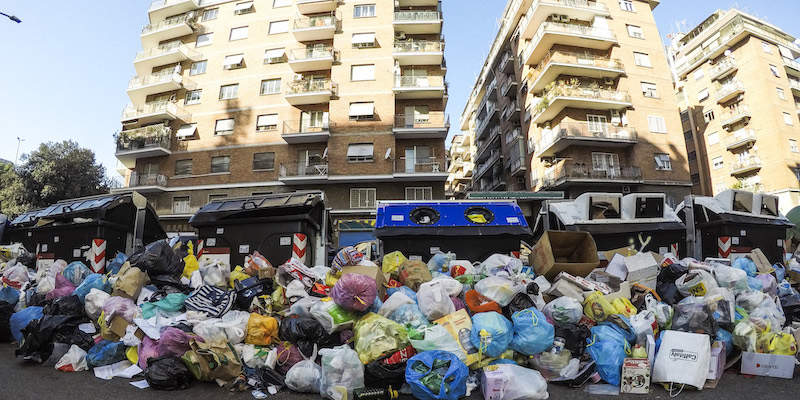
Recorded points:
(237, 275)
(132, 354)
(392, 261)
(623, 306)
(190, 262)
(782, 344)
(331, 278)
(261, 330)
(597, 307)
(376, 335)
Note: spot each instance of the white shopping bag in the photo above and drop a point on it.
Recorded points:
(683, 358)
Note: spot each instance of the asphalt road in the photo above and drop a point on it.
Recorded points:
(21, 380)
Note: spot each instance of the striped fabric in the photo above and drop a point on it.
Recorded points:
(211, 300)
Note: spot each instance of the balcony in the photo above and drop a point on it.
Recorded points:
(735, 116)
(317, 27)
(485, 149)
(162, 9)
(494, 157)
(419, 169)
(567, 175)
(511, 111)
(749, 164)
(168, 53)
(556, 63)
(724, 68)
(507, 63)
(795, 85)
(419, 87)
(792, 66)
(565, 95)
(494, 184)
(139, 87)
(302, 173)
(153, 112)
(543, 10)
(310, 91)
(145, 142)
(417, 3)
(147, 183)
(742, 137)
(729, 91)
(299, 132)
(316, 6)
(568, 134)
(491, 90)
(313, 59)
(552, 33)
(169, 28)
(419, 52)
(418, 22)
(505, 89)
(433, 125)
(491, 115)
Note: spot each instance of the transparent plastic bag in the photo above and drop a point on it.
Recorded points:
(304, 377)
(376, 335)
(749, 299)
(409, 315)
(436, 337)
(393, 303)
(551, 364)
(215, 273)
(564, 310)
(501, 290)
(434, 301)
(730, 278)
(333, 317)
(342, 372)
(513, 382)
(696, 282)
(73, 361)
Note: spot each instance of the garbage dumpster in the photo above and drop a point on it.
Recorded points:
(93, 229)
(643, 220)
(20, 230)
(280, 226)
(736, 222)
(473, 230)
(3, 225)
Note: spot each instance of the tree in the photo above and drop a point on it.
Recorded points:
(53, 172)
(12, 193)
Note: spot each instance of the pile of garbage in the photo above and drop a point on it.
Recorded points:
(441, 328)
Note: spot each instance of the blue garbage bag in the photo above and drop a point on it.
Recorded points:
(9, 295)
(780, 272)
(93, 281)
(409, 314)
(376, 305)
(532, 333)
(747, 265)
(19, 320)
(433, 366)
(754, 283)
(608, 349)
(622, 325)
(725, 337)
(76, 272)
(115, 264)
(491, 333)
(406, 291)
(106, 352)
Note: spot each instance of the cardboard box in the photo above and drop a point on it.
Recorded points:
(771, 365)
(623, 251)
(584, 283)
(643, 266)
(762, 263)
(718, 358)
(650, 346)
(623, 292)
(563, 288)
(571, 252)
(370, 271)
(459, 325)
(119, 326)
(635, 376)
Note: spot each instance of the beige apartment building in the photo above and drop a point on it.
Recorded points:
(739, 90)
(459, 180)
(577, 96)
(240, 98)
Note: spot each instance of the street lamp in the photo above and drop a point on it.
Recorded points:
(16, 157)
(11, 17)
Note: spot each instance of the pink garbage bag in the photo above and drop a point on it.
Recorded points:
(354, 292)
(122, 306)
(175, 342)
(63, 288)
(148, 349)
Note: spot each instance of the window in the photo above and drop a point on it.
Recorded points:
(210, 14)
(271, 86)
(709, 116)
(364, 11)
(217, 196)
(313, 121)
(626, 5)
(281, 3)
(718, 163)
(774, 71)
(244, 8)
(192, 97)
(198, 68)
(713, 138)
(235, 61)
(796, 173)
(419, 193)
(608, 162)
(362, 198)
(264, 161)
(181, 205)
(274, 56)
(781, 94)
(276, 27)
(766, 47)
(695, 179)
(663, 163)
(598, 124)
(363, 40)
(787, 118)
(204, 39)
(699, 74)
(362, 110)
(360, 152)
(635, 31)
(227, 92)
(224, 126)
(688, 136)
(418, 159)
(183, 167)
(220, 164)
(362, 72)
(692, 156)
(267, 122)
(238, 33)
(793, 146)
(685, 116)
(656, 124)
(649, 90)
(642, 59)
(702, 95)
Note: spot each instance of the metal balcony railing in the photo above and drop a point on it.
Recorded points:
(434, 119)
(417, 16)
(419, 81)
(295, 127)
(565, 173)
(417, 166)
(137, 180)
(728, 88)
(154, 79)
(568, 130)
(418, 46)
(144, 137)
(316, 21)
(187, 18)
(730, 116)
(575, 58)
(558, 27)
(740, 138)
(166, 3)
(315, 53)
(166, 48)
(566, 90)
(132, 112)
(745, 164)
(310, 85)
(310, 170)
(726, 64)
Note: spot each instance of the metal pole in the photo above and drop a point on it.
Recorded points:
(19, 141)
(11, 17)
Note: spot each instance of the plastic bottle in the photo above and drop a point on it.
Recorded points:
(375, 394)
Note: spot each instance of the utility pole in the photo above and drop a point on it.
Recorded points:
(16, 157)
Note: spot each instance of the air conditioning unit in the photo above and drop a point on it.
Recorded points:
(608, 81)
(555, 17)
(298, 77)
(565, 18)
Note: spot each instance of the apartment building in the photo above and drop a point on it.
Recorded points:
(240, 98)
(460, 168)
(577, 96)
(738, 82)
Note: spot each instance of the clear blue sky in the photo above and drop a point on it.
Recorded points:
(64, 69)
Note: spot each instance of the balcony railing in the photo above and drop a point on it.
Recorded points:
(317, 21)
(731, 116)
(419, 81)
(138, 180)
(567, 90)
(791, 63)
(187, 18)
(728, 64)
(316, 53)
(417, 16)
(740, 137)
(298, 127)
(571, 29)
(166, 3)
(144, 137)
(726, 89)
(565, 173)
(747, 164)
(794, 83)
(578, 130)
(418, 46)
(304, 86)
(574, 58)
(132, 112)
(417, 166)
(154, 79)
(507, 58)
(432, 120)
(494, 157)
(160, 50)
(311, 170)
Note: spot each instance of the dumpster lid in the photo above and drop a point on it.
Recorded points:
(519, 196)
(268, 205)
(26, 219)
(737, 206)
(629, 212)
(94, 206)
(450, 218)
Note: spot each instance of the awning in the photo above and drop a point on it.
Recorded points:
(225, 125)
(362, 109)
(243, 6)
(360, 150)
(363, 38)
(274, 53)
(269, 119)
(187, 130)
(233, 60)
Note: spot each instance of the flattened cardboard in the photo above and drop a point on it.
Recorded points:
(459, 325)
(119, 325)
(571, 252)
(762, 263)
(717, 365)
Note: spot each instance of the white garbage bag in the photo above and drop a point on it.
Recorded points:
(434, 301)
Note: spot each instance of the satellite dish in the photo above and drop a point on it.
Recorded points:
(325, 153)
(728, 53)
(388, 153)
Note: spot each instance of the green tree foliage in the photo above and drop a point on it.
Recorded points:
(12, 193)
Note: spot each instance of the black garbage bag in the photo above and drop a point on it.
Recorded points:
(167, 373)
(574, 337)
(305, 332)
(520, 302)
(791, 306)
(694, 317)
(41, 333)
(170, 284)
(158, 258)
(665, 286)
(27, 259)
(77, 337)
(381, 374)
(583, 376)
(267, 376)
(33, 299)
(67, 305)
(6, 309)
